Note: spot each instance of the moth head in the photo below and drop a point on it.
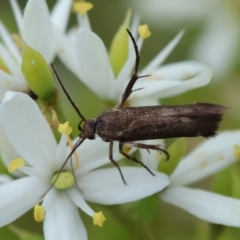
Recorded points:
(89, 129)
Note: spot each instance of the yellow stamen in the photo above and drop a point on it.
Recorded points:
(39, 212)
(236, 151)
(16, 164)
(65, 128)
(144, 31)
(98, 219)
(65, 180)
(82, 7)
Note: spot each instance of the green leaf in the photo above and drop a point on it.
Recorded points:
(176, 152)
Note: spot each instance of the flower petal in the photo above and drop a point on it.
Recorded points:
(66, 51)
(173, 14)
(96, 164)
(179, 71)
(7, 152)
(136, 102)
(77, 198)
(160, 58)
(126, 72)
(5, 178)
(93, 63)
(62, 221)
(106, 186)
(83, 21)
(210, 157)
(60, 13)
(168, 88)
(208, 206)
(216, 46)
(11, 83)
(36, 24)
(61, 154)
(11, 63)
(41, 174)
(8, 42)
(124, 75)
(91, 150)
(17, 13)
(28, 131)
(19, 196)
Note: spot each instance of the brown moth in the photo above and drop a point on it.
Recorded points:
(126, 125)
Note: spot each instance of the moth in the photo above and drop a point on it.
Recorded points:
(126, 125)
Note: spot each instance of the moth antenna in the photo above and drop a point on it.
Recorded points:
(128, 90)
(77, 144)
(68, 96)
(136, 53)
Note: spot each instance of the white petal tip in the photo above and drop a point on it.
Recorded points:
(8, 96)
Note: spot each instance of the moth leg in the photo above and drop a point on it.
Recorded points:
(149, 146)
(128, 90)
(132, 158)
(114, 162)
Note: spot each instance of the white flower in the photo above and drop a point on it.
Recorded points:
(209, 158)
(25, 134)
(219, 36)
(85, 55)
(35, 26)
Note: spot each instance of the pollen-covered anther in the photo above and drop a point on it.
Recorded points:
(65, 180)
(16, 164)
(236, 151)
(39, 213)
(82, 7)
(144, 31)
(65, 128)
(98, 219)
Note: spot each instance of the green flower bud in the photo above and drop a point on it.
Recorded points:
(118, 53)
(36, 72)
(176, 151)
